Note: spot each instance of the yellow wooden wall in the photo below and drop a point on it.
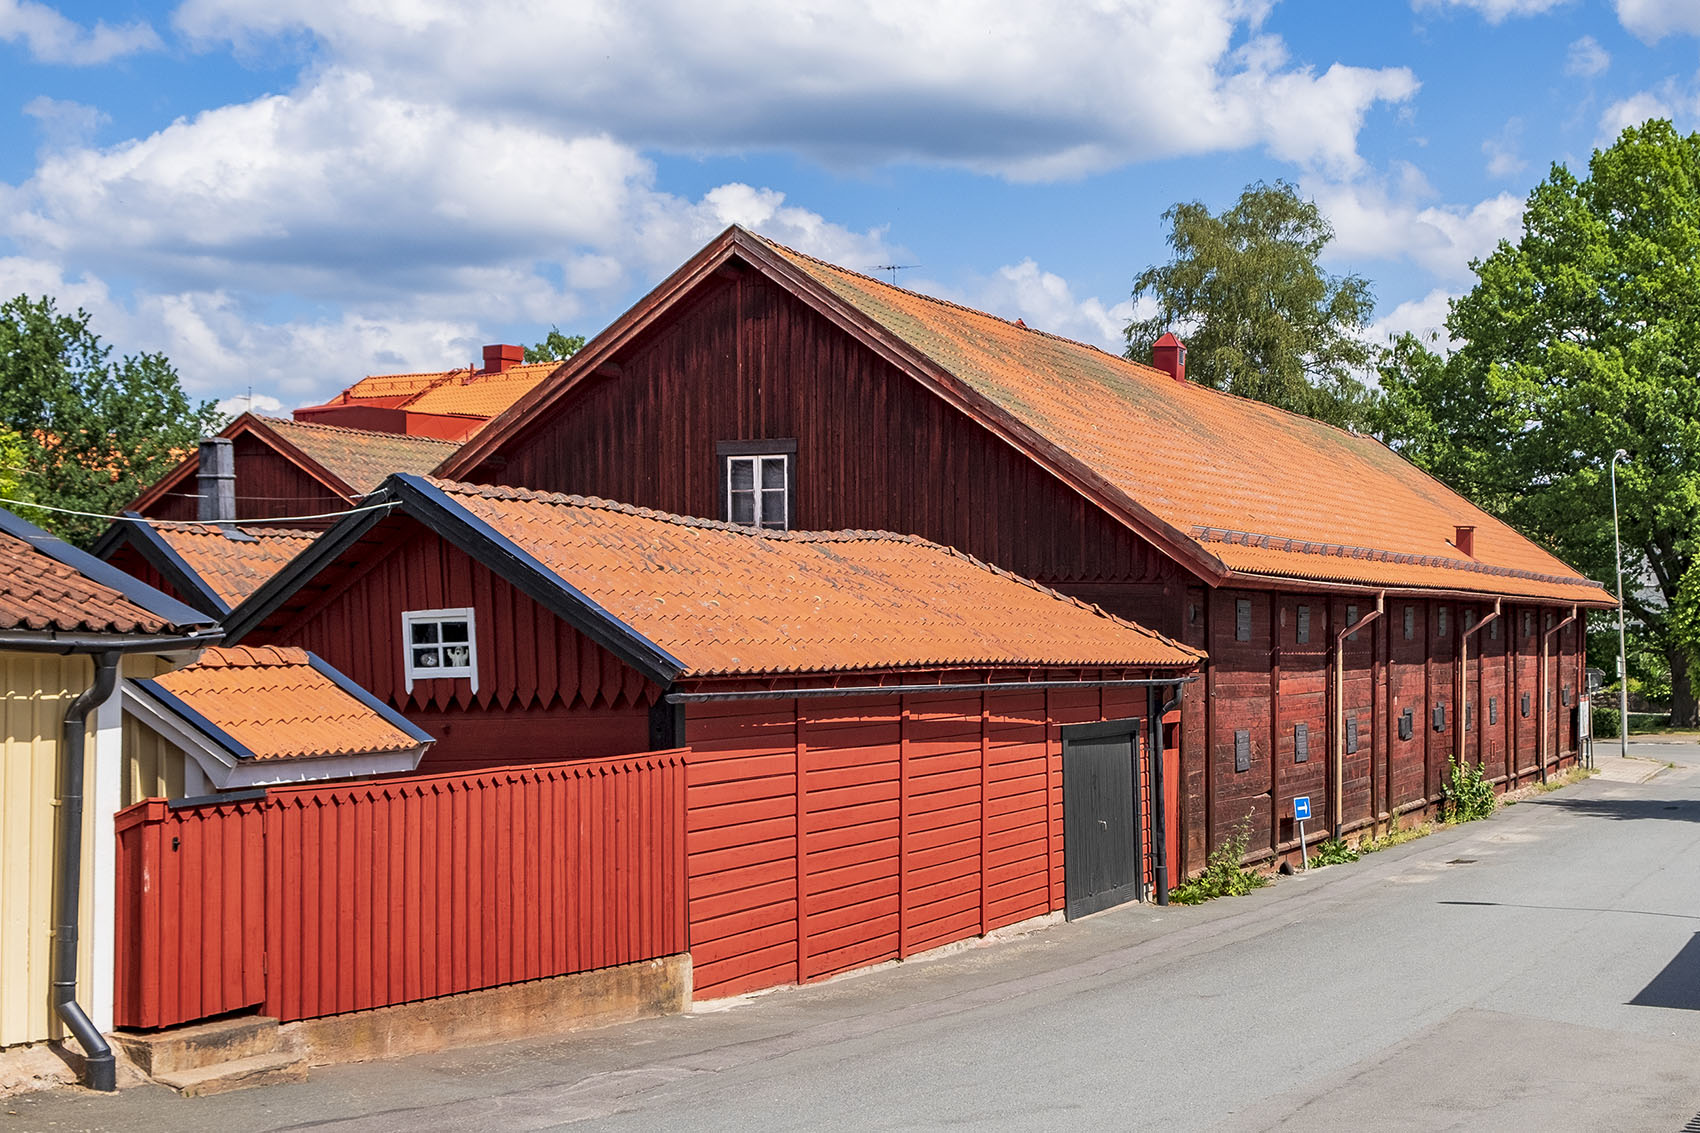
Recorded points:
(37, 690)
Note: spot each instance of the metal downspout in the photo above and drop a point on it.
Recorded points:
(102, 1070)
(1337, 802)
(1464, 681)
(1546, 687)
(1157, 709)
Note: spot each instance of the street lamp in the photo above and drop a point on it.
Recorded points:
(1622, 652)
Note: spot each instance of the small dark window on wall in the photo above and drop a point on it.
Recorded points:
(1549, 620)
(1192, 613)
(1351, 733)
(1352, 620)
(1410, 623)
(1493, 629)
(1242, 619)
(1242, 750)
(1469, 620)
(1469, 716)
(756, 481)
(1301, 743)
(1405, 724)
(1528, 623)
(1440, 621)
(1301, 633)
(1493, 710)
(1525, 704)
(1440, 717)
(1564, 696)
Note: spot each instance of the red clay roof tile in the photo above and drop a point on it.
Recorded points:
(37, 592)
(361, 458)
(273, 702)
(1205, 462)
(726, 599)
(234, 568)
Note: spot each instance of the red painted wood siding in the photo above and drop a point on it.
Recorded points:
(268, 486)
(745, 360)
(544, 689)
(322, 900)
(829, 835)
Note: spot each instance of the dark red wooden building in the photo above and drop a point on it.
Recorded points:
(875, 724)
(1350, 604)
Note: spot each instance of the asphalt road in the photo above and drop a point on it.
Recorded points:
(1540, 970)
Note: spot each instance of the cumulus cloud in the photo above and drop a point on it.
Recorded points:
(1652, 20)
(1494, 11)
(1638, 108)
(1424, 317)
(64, 123)
(1586, 58)
(856, 82)
(1503, 160)
(1372, 221)
(51, 38)
(1044, 301)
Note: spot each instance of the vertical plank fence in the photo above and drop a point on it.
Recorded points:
(321, 900)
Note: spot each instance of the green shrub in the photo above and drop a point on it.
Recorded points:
(1333, 852)
(1223, 874)
(1466, 795)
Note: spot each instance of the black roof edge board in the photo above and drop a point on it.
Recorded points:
(163, 557)
(433, 507)
(132, 588)
(171, 703)
(277, 589)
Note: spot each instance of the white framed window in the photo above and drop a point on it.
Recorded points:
(439, 644)
(756, 478)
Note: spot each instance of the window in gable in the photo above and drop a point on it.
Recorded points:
(1410, 622)
(1352, 620)
(1440, 621)
(756, 480)
(1242, 619)
(1302, 631)
(439, 644)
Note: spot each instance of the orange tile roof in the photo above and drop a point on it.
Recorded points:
(39, 593)
(233, 568)
(361, 458)
(275, 703)
(725, 599)
(481, 395)
(1205, 463)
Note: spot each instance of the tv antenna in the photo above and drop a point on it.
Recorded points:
(894, 269)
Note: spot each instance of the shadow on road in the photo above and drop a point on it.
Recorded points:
(1571, 909)
(1632, 810)
(1678, 985)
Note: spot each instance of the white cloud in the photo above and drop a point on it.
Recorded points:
(51, 38)
(64, 123)
(972, 83)
(1586, 58)
(1638, 108)
(1501, 151)
(1495, 11)
(1372, 223)
(251, 403)
(1652, 20)
(1424, 317)
(1044, 301)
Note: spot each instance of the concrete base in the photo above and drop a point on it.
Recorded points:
(643, 990)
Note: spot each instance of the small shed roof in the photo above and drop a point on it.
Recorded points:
(681, 597)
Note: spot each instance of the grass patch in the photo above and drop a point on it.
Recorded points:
(1398, 836)
(1223, 874)
(1558, 782)
(1466, 795)
(1333, 852)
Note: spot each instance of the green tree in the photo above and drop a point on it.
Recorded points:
(1265, 320)
(95, 431)
(555, 347)
(1582, 338)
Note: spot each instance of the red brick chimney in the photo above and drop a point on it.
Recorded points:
(1465, 540)
(499, 357)
(1168, 354)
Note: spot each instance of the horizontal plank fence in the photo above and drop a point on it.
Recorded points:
(320, 900)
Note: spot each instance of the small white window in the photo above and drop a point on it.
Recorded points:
(439, 643)
(756, 490)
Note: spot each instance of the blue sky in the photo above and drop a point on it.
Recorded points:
(289, 196)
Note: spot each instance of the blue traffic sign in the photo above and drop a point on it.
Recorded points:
(1301, 808)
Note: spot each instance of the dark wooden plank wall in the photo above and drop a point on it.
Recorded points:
(745, 360)
(543, 687)
(1268, 684)
(268, 486)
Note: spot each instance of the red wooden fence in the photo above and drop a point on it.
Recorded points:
(320, 900)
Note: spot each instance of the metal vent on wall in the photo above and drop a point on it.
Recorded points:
(1302, 633)
(1352, 620)
(1493, 710)
(1405, 726)
(1410, 622)
(1301, 743)
(1440, 717)
(1242, 619)
(1351, 733)
(1525, 704)
(1242, 750)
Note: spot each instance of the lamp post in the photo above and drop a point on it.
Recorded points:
(1622, 652)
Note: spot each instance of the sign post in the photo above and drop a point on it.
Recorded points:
(1301, 811)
